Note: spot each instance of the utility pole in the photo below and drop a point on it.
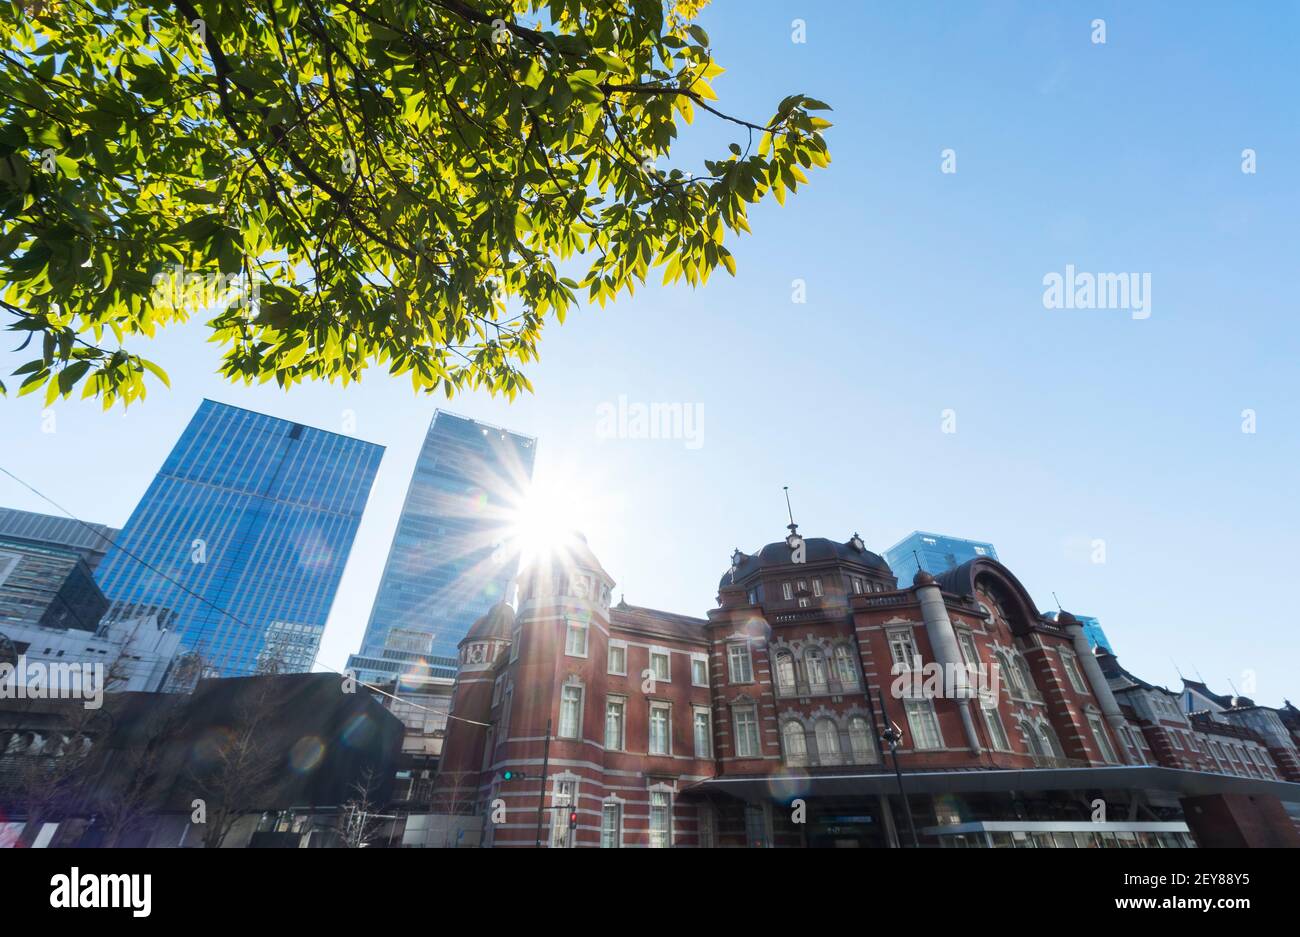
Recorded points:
(541, 794)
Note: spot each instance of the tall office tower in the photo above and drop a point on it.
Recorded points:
(1091, 630)
(937, 554)
(240, 541)
(447, 565)
(90, 540)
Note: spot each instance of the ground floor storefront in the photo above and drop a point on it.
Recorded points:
(1083, 808)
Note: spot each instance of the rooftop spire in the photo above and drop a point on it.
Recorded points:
(793, 527)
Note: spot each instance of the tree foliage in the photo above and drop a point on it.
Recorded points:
(341, 183)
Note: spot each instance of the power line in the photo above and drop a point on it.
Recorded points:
(235, 618)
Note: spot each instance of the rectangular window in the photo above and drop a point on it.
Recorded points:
(742, 670)
(699, 670)
(570, 712)
(659, 665)
(661, 820)
(1071, 665)
(703, 733)
(660, 729)
(923, 724)
(575, 643)
(857, 585)
(817, 587)
(611, 825)
(565, 802)
(997, 734)
(1177, 742)
(615, 709)
(746, 721)
(787, 591)
(902, 649)
(617, 659)
(966, 644)
(1102, 740)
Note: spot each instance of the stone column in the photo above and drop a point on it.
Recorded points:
(1097, 680)
(943, 642)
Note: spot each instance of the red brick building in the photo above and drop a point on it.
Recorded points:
(762, 724)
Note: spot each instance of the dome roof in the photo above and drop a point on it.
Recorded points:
(817, 550)
(497, 622)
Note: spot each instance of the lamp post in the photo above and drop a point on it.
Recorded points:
(891, 735)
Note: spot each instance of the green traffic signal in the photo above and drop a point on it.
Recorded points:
(513, 776)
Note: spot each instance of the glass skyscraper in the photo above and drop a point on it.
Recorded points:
(937, 554)
(255, 516)
(449, 562)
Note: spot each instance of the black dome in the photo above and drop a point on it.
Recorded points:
(817, 550)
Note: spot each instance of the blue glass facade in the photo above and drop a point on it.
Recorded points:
(1092, 631)
(937, 553)
(445, 567)
(257, 516)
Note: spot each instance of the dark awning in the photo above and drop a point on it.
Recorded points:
(783, 787)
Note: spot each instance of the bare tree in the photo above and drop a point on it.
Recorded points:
(140, 787)
(53, 774)
(237, 770)
(361, 819)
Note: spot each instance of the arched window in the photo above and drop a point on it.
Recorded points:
(785, 673)
(815, 662)
(1010, 674)
(845, 671)
(828, 742)
(1051, 745)
(794, 743)
(1031, 738)
(860, 741)
(1025, 677)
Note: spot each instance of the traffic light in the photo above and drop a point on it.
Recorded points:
(573, 819)
(513, 776)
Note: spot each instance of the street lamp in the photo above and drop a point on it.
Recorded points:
(891, 735)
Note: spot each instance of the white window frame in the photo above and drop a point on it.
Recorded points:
(666, 708)
(810, 654)
(817, 586)
(700, 659)
(609, 661)
(751, 711)
(929, 720)
(842, 653)
(745, 659)
(997, 732)
(1070, 664)
(582, 695)
(653, 836)
(707, 713)
(824, 755)
(970, 654)
(1108, 753)
(667, 656)
(895, 636)
(790, 688)
(796, 728)
(621, 741)
(572, 626)
(560, 813)
(618, 823)
(787, 591)
(870, 749)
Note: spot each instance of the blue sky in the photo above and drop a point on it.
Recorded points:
(924, 294)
